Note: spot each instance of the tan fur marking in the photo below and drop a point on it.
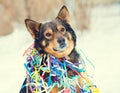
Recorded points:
(48, 31)
(55, 90)
(80, 81)
(60, 27)
(69, 36)
(57, 54)
(43, 42)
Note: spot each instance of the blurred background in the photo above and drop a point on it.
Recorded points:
(96, 23)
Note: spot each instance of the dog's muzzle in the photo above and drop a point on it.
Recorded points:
(61, 42)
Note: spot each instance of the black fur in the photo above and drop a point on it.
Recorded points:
(39, 37)
(70, 30)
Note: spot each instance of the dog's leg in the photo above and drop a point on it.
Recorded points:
(55, 90)
(78, 90)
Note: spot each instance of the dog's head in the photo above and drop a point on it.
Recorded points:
(55, 37)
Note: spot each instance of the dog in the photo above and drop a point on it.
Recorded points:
(55, 37)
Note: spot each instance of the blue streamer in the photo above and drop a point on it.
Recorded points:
(38, 65)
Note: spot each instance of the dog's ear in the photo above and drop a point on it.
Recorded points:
(32, 26)
(64, 14)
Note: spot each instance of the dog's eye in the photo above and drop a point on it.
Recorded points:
(62, 29)
(48, 34)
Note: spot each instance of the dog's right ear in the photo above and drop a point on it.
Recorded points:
(32, 26)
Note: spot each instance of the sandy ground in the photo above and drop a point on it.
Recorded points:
(101, 45)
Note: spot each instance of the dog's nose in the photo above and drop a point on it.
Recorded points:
(61, 40)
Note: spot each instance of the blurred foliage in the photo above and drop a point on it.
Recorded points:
(97, 2)
(42, 10)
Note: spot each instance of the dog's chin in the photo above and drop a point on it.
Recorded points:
(60, 49)
(61, 52)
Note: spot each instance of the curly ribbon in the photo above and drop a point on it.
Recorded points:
(38, 65)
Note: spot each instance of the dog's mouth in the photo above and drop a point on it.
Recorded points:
(61, 48)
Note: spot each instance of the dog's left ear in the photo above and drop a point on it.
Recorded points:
(64, 14)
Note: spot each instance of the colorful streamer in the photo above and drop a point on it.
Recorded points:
(44, 72)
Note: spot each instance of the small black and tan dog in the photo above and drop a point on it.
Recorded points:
(55, 37)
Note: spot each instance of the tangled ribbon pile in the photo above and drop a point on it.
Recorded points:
(44, 72)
